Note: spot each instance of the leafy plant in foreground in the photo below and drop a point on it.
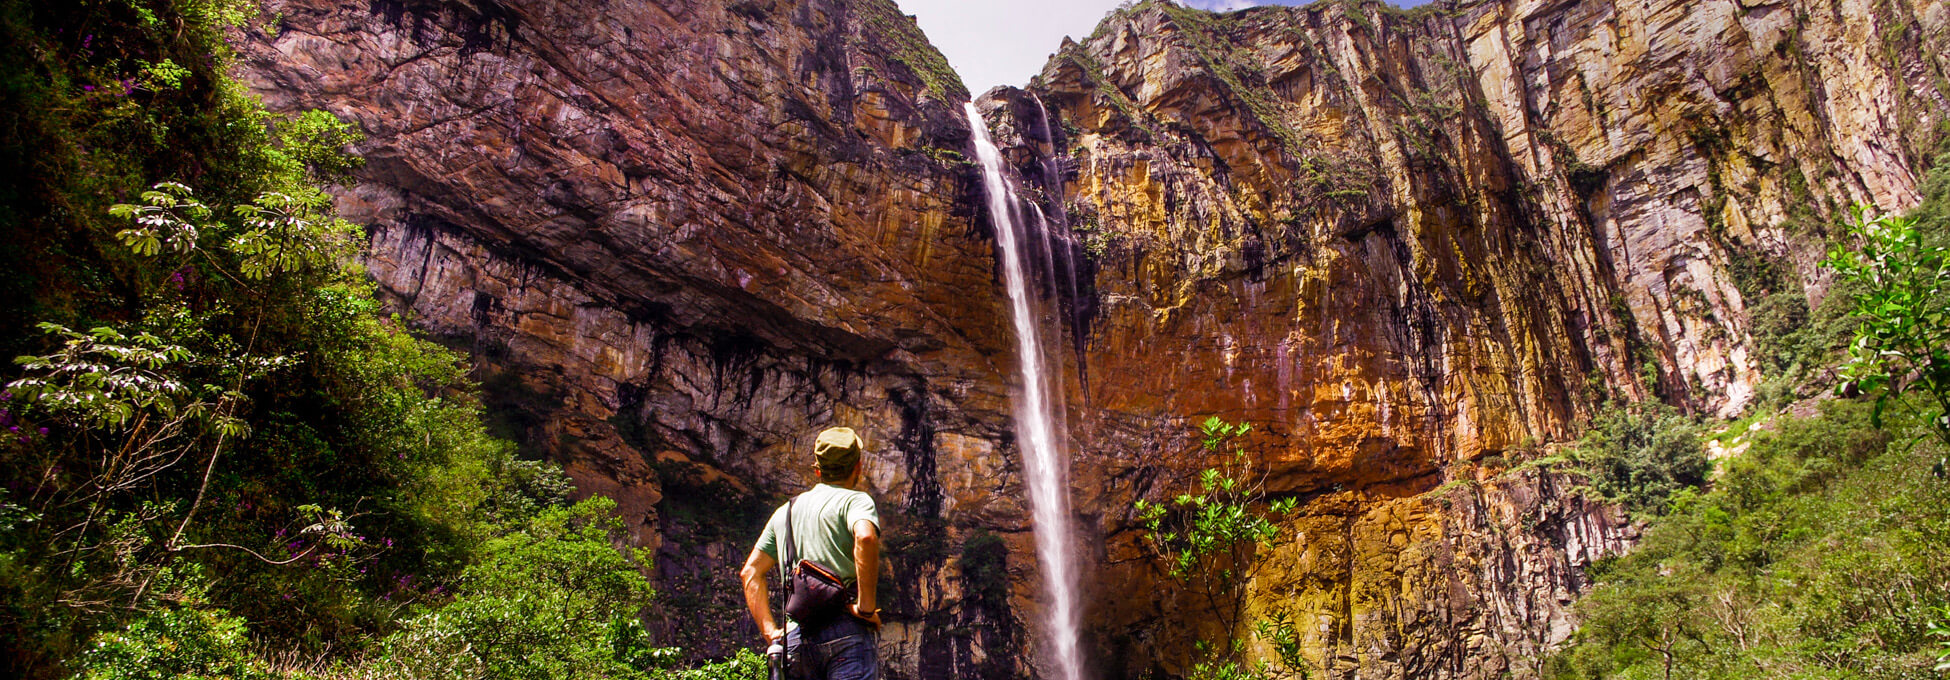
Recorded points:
(1942, 631)
(1902, 340)
(1208, 540)
(551, 600)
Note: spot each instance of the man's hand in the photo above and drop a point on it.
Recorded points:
(775, 635)
(870, 616)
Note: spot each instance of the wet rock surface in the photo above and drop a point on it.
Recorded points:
(1412, 248)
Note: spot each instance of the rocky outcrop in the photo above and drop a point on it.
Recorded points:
(681, 237)
(1413, 248)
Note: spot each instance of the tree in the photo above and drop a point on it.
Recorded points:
(1208, 540)
(1639, 455)
(1902, 338)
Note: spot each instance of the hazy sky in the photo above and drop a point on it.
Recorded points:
(1004, 42)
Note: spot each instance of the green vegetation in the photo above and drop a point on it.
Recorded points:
(1819, 551)
(1817, 554)
(884, 25)
(1207, 541)
(1641, 455)
(1902, 315)
(220, 459)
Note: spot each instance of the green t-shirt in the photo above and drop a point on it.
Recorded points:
(822, 527)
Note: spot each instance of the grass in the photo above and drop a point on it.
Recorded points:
(906, 45)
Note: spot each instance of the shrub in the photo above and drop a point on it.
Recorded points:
(1901, 352)
(1818, 554)
(1208, 540)
(1639, 455)
(550, 600)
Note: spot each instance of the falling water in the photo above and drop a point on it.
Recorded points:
(1043, 452)
(1066, 255)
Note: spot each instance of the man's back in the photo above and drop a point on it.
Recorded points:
(822, 527)
(836, 526)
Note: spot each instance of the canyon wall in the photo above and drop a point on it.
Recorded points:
(679, 238)
(1414, 249)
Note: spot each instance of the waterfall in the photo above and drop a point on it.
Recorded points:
(1043, 451)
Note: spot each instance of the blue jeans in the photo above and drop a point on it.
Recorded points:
(840, 650)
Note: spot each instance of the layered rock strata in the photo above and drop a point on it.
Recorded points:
(681, 237)
(1412, 248)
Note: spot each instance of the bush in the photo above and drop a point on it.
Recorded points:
(551, 600)
(173, 643)
(189, 639)
(1640, 455)
(1209, 539)
(1818, 554)
(1901, 352)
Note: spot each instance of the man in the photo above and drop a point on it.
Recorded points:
(836, 525)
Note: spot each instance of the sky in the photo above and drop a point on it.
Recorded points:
(1004, 42)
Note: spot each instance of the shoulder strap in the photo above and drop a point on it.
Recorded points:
(788, 551)
(790, 547)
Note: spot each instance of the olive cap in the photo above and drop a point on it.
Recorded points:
(838, 449)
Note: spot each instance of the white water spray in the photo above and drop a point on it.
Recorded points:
(1043, 451)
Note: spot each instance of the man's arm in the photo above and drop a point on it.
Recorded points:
(866, 565)
(757, 599)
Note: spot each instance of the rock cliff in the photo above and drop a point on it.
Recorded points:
(1414, 248)
(681, 237)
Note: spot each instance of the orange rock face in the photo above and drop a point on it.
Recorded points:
(1412, 249)
(1411, 246)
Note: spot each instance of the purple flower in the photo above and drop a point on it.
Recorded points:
(6, 396)
(88, 88)
(389, 543)
(23, 440)
(15, 428)
(43, 431)
(85, 42)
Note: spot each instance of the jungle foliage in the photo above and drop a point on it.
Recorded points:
(1818, 553)
(220, 459)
